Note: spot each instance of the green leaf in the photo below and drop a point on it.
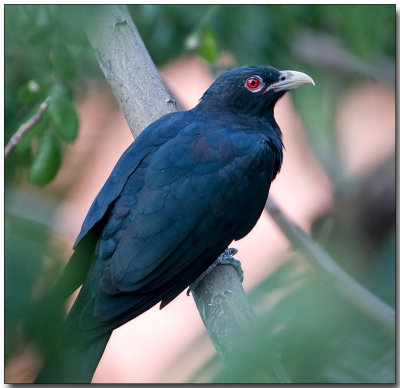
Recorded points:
(58, 91)
(64, 116)
(62, 63)
(208, 46)
(47, 160)
(41, 34)
(30, 92)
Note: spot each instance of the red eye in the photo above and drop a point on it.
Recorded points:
(253, 83)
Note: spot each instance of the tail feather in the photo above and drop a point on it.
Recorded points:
(74, 355)
(74, 363)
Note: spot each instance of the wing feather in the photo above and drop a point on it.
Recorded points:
(186, 211)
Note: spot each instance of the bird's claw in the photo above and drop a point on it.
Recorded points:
(225, 258)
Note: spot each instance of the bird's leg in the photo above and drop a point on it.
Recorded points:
(225, 258)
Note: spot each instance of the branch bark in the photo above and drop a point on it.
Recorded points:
(133, 78)
(127, 67)
(24, 128)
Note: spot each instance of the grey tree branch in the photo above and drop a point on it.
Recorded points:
(24, 128)
(344, 283)
(139, 90)
(231, 322)
(224, 309)
(128, 68)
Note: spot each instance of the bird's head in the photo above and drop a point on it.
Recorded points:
(252, 90)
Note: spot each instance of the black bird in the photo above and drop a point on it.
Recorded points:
(189, 185)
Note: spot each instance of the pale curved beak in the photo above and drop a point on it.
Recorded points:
(290, 79)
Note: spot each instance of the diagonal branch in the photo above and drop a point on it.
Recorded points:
(127, 67)
(24, 128)
(326, 50)
(344, 283)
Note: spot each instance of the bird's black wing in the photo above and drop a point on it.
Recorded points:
(189, 200)
(152, 137)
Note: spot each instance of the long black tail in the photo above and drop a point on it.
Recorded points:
(73, 363)
(74, 355)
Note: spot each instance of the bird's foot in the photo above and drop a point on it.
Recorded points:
(225, 258)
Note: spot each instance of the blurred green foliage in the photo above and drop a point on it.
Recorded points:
(264, 33)
(32, 265)
(316, 334)
(50, 59)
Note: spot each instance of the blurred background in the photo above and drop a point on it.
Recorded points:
(337, 183)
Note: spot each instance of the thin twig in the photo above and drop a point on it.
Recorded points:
(325, 49)
(24, 128)
(350, 288)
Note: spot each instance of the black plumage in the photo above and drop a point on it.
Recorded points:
(188, 186)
